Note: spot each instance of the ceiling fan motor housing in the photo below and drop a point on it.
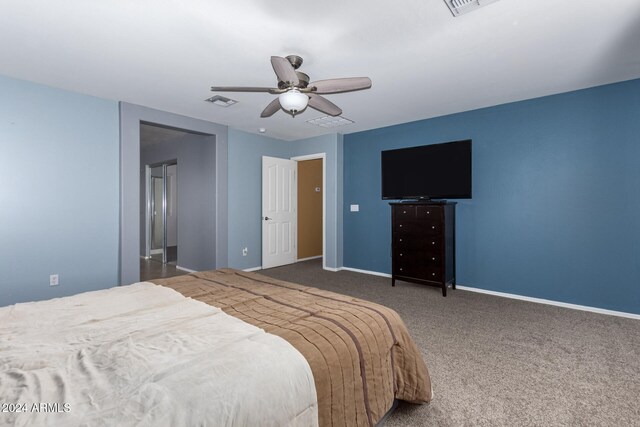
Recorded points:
(304, 81)
(295, 61)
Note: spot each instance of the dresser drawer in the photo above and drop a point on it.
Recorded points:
(418, 228)
(407, 242)
(418, 256)
(433, 274)
(433, 228)
(432, 244)
(435, 213)
(410, 243)
(418, 271)
(404, 212)
(401, 268)
(408, 226)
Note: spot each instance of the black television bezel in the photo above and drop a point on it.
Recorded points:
(435, 196)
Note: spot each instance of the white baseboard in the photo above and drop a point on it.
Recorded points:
(514, 296)
(372, 273)
(332, 269)
(551, 302)
(253, 269)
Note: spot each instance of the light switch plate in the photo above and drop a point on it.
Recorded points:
(355, 208)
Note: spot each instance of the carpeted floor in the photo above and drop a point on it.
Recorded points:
(501, 362)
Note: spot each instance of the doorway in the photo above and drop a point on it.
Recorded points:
(203, 219)
(310, 191)
(281, 209)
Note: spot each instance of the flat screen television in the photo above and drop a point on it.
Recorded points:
(437, 171)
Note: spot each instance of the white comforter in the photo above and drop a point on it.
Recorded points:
(145, 355)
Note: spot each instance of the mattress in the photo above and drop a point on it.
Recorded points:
(360, 353)
(145, 355)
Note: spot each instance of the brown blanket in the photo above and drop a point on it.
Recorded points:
(360, 353)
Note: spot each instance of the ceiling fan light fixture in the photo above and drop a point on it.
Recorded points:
(293, 101)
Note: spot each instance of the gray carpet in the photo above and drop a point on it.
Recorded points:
(502, 362)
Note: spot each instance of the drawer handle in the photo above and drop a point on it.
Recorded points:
(433, 274)
(400, 225)
(401, 240)
(433, 243)
(400, 268)
(428, 212)
(433, 227)
(433, 258)
(400, 254)
(404, 211)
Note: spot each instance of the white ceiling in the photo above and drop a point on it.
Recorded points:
(423, 62)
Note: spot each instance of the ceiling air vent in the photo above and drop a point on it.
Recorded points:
(221, 101)
(458, 7)
(330, 121)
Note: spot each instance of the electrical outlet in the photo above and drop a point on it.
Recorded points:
(245, 251)
(53, 280)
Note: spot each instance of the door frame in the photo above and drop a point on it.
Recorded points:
(322, 156)
(131, 116)
(148, 214)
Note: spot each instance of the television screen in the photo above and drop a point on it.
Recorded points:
(437, 171)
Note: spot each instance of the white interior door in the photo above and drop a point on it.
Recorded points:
(279, 217)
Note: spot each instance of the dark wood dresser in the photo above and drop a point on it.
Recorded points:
(423, 243)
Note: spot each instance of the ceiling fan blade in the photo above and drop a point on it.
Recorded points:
(284, 70)
(271, 109)
(322, 104)
(341, 85)
(242, 89)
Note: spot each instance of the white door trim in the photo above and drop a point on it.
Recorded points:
(322, 156)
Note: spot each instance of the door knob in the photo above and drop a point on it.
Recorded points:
(266, 218)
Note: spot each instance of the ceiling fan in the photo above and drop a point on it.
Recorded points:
(295, 92)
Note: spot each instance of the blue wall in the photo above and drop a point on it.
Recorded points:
(59, 199)
(245, 192)
(555, 212)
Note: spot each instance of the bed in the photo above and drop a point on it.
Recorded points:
(221, 347)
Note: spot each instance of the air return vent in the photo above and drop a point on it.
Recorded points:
(330, 121)
(458, 7)
(221, 101)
